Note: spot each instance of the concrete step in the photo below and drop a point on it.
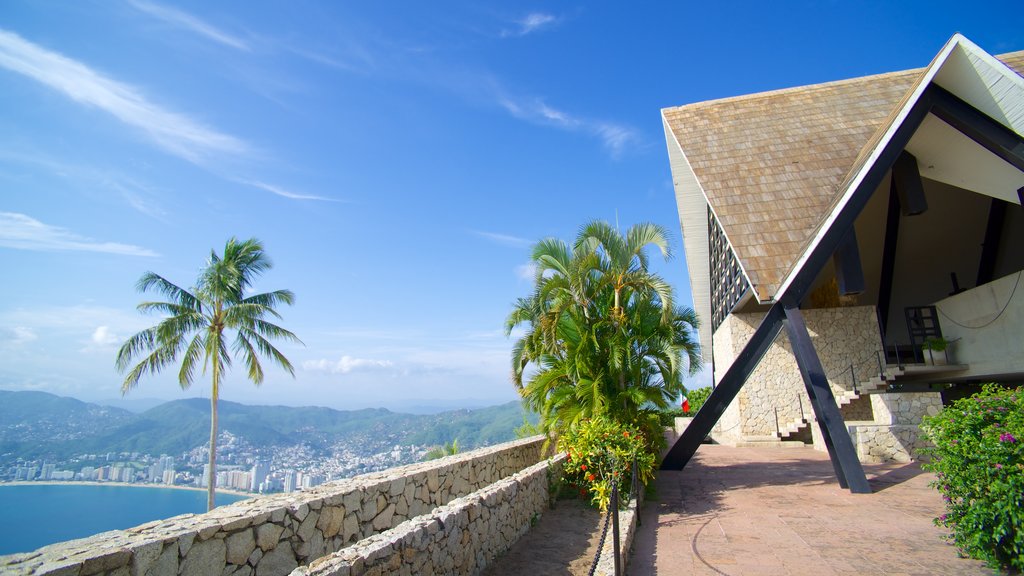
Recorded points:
(771, 444)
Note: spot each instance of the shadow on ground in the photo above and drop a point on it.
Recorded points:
(695, 496)
(563, 542)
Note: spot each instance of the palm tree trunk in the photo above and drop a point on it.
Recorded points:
(211, 482)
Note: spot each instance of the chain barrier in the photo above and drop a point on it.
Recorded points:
(600, 543)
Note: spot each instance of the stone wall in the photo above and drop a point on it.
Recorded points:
(272, 535)
(461, 537)
(627, 530)
(877, 444)
(841, 337)
(895, 434)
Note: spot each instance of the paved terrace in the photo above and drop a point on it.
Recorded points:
(753, 511)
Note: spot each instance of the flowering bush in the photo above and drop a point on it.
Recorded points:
(601, 451)
(978, 460)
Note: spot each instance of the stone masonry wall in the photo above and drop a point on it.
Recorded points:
(272, 535)
(727, 429)
(895, 435)
(461, 537)
(841, 337)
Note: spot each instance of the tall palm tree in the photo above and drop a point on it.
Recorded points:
(198, 325)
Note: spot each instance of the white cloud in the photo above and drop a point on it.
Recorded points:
(187, 21)
(18, 335)
(527, 271)
(531, 23)
(23, 232)
(138, 195)
(345, 364)
(503, 239)
(176, 133)
(102, 336)
(615, 137)
(285, 193)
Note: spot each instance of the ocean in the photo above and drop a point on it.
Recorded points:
(37, 515)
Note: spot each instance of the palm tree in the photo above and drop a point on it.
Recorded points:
(601, 330)
(198, 325)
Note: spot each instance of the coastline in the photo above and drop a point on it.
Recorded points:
(126, 484)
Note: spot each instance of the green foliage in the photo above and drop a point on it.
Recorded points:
(978, 460)
(601, 451)
(697, 398)
(556, 482)
(181, 425)
(935, 343)
(198, 323)
(602, 332)
(442, 451)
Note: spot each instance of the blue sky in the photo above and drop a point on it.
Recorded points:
(396, 159)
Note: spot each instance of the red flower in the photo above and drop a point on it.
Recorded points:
(583, 467)
(626, 434)
(591, 477)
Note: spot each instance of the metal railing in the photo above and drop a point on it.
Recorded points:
(612, 518)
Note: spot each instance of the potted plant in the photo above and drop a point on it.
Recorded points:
(934, 349)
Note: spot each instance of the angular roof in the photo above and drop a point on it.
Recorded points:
(772, 165)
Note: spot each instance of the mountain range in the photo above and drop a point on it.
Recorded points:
(40, 425)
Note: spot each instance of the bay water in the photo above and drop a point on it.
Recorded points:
(37, 515)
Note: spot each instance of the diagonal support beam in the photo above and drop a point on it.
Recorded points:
(725, 392)
(987, 132)
(837, 437)
(974, 124)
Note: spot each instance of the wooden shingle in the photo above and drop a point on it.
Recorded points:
(774, 164)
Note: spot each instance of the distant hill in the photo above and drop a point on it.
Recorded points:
(37, 424)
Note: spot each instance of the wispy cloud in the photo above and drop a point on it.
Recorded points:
(286, 193)
(503, 239)
(17, 335)
(174, 132)
(23, 232)
(102, 336)
(531, 23)
(345, 364)
(139, 196)
(616, 138)
(181, 19)
(526, 271)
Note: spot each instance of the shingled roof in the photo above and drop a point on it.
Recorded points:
(773, 165)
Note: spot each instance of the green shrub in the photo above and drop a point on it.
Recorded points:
(978, 460)
(697, 398)
(667, 417)
(601, 451)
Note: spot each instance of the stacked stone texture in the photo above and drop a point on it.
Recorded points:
(895, 436)
(461, 537)
(841, 337)
(272, 535)
(627, 530)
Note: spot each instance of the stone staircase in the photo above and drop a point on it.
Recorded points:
(788, 431)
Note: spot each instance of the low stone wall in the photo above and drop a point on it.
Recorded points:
(272, 535)
(905, 407)
(895, 434)
(878, 444)
(461, 537)
(627, 529)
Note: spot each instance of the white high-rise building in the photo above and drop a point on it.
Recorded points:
(260, 471)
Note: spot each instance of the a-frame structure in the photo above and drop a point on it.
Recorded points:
(964, 117)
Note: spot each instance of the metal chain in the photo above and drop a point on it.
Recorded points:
(600, 543)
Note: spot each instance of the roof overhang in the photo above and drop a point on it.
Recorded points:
(980, 80)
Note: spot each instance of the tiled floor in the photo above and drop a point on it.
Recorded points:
(740, 511)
